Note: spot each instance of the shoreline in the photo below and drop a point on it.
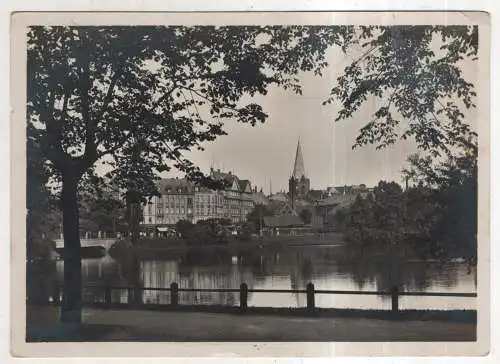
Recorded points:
(235, 246)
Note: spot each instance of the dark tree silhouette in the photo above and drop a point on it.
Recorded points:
(419, 86)
(257, 215)
(106, 215)
(306, 216)
(452, 228)
(137, 97)
(184, 227)
(415, 74)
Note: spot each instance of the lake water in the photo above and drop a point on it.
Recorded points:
(293, 268)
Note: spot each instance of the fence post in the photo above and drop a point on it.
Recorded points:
(107, 295)
(310, 296)
(174, 294)
(395, 299)
(130, 295)
(137, 296)
(243, 296)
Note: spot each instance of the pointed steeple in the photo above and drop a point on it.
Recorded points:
(298, 167)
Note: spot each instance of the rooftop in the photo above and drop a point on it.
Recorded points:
(242, 184)
(175, 186)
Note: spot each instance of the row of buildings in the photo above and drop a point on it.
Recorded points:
(182, 200)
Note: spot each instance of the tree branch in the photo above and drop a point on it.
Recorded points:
(90, 154)
(196, 92)
(117, 146)
(109, 93)
(365, 54)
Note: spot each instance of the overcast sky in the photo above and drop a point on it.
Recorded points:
(265, 153)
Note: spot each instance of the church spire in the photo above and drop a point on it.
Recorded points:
(298, 167)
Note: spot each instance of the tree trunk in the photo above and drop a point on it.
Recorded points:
(72, 298)
(135, 268)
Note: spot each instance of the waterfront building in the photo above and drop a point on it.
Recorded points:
(181, 200)
(238, 196)
(208, 204)
(175, 203)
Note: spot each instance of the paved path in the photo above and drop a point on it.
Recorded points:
(188, 326)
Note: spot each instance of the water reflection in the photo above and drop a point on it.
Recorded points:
(327, 268)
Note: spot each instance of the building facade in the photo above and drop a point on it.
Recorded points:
(238, 196)
(181, 200)
(208, 204)
(176, 202)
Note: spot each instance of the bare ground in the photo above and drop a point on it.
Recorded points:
(129, 325)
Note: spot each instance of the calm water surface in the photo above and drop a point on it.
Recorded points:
(326, 267)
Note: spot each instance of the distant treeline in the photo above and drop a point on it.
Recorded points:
(435, 218)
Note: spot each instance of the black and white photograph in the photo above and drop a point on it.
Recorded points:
(236, 178)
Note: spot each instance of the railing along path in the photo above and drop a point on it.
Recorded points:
(243, 291)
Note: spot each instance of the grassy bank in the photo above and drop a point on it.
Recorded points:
(158, 244)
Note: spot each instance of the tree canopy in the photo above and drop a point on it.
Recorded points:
(257, 215)
(103, 93)
(416, 73)
(433, 222)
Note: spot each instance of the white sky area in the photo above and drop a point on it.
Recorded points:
(265, 153)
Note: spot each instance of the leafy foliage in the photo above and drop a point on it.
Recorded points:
(454, 181)
(204, 232)
(414, 72)
(377, 219)
(42, 218)
(434, 221)
(306, 216)
(248, 228)
(106, 215)
(183, 227)
(257, 215)
(137, 97)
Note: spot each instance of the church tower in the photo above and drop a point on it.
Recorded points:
(298, 167)
(299, 184)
